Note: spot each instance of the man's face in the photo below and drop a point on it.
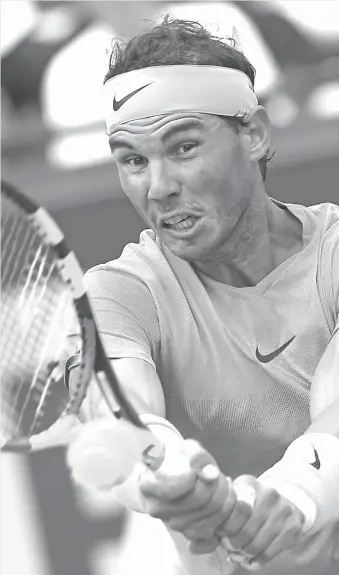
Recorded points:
(188, 176)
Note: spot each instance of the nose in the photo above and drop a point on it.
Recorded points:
(162, 181)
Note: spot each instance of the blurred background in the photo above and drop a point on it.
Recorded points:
(54, 56)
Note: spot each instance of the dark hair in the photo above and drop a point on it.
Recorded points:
(179, 42)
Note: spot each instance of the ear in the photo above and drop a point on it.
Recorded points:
(259, 133)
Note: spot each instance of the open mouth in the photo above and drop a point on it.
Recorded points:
(186, 223)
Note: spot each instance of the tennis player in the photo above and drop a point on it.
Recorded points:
(222, 322)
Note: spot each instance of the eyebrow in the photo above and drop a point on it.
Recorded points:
(118, 142)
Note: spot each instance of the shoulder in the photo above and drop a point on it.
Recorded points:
(146, 266)
(327, 214)
(136, 265)
(328, 260)
(324, 215)
(327, 220)
(324, 219)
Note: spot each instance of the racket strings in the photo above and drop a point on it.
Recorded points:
(40, 386)
(46, 388)
(30, 375)
(35, 359)
(13, 271)
(13, 268)
(8, 229)
(33, 298)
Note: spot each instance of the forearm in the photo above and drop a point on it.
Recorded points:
(308, 473)
(309, 470)
(168, 435)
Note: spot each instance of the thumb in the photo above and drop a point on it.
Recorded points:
(201, 461)
(246, 488)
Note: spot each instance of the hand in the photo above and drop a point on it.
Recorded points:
(195, 501)
(275, 524)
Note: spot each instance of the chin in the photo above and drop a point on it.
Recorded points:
(190, 254)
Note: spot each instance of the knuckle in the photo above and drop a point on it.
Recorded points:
(293, 530)
(155, 514)
(216, 503)
(286, 512)
(207, 495)
(199, 533)
(272, 496)
(266, 556)
(176, 524)
(201, 547)
(213, 501)
(157, 511)
(270, 550)
(233, 531)
(189, 533)
(243, 510)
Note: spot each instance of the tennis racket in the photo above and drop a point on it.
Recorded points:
(40, 275)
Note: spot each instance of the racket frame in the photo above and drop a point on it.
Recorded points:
(93, 360)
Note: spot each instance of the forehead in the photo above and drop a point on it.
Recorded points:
(162, 127)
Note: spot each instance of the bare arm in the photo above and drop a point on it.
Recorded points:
(139, 381)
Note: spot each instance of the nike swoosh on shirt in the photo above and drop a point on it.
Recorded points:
(316, 462)
(267, 358)
(118, 103)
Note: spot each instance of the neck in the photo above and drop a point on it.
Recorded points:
(264, 237)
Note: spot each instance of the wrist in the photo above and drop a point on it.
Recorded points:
(308, 475)
(128, 492)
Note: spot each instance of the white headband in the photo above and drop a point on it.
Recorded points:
(167, 89)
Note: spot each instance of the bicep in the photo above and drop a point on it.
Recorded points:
(139, 381)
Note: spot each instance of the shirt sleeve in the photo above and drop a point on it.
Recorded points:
(329, 275)
(125, 313)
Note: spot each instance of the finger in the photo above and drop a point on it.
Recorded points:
(180, 502)
(239, 516)
(204, 546)
(264, 509)
(219, 509)
(262, 539)
(206, 505)
(171, 486)
(201, 460)
(167, 488)
(289, 536)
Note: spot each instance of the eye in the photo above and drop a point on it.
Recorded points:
(135, 162)
(187, 148)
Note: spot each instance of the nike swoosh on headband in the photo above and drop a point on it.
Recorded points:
(267, 358)
(316, 462)
(118, 103)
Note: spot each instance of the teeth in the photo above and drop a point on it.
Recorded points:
(175, 220)
(184, 224)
